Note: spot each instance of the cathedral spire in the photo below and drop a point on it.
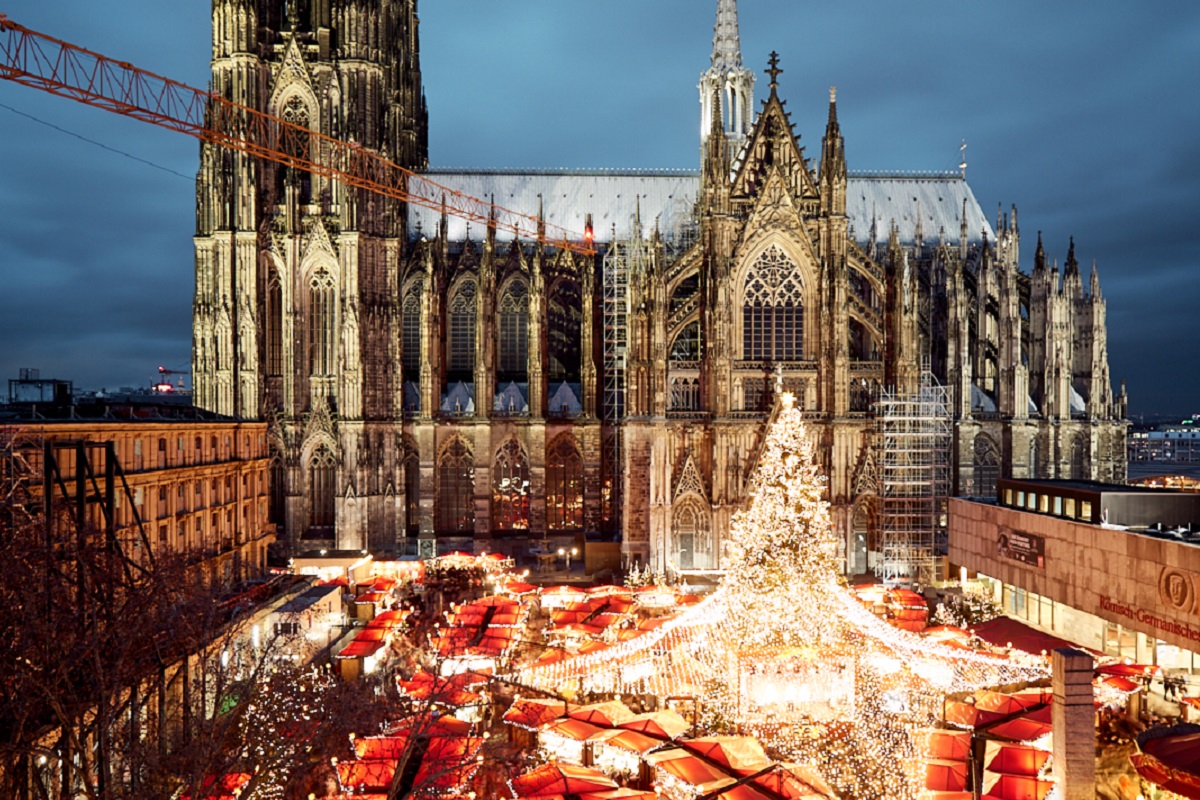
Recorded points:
(1039, 256)
(727, 42)
(727, 76)
(1072, 266)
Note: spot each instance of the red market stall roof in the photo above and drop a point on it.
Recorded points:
(1003, 631)
(953, 745)
(1122, 684)
(531, 713)
(690, 769)
(1014, 759)
(443, 725)
(665, 724)
(374, 775)
(559, 779)
(519, 587)
(1170, 758)
(574, 729)
(732, 752)
(628, 740)
(1015, 787)
(373, 748)
(608, 714)
(222, 787)
(946, 775)
(389, 619)
(965, 715)
(1130, 670)
(1005, 704)
(360, 648)
(370, 597)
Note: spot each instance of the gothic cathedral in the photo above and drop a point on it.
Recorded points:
(430, 382)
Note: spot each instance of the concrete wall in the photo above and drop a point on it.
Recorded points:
(1144, 584)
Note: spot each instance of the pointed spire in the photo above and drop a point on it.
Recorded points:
(1014, 219)
(1094, 283)
(1072, 266)
(541, 222)
(727, 42)
(774, 70)
(831, 127)
(1039, 255)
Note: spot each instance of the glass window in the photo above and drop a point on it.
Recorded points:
(1008, 497)
(1020, 499)
(514, 331)
(510, 489)
(462, 333)
(773, 310)
(1085, 509)
(1070, 508)
(410, 344)
(564, 486)
(1058, 506)
(456, 490)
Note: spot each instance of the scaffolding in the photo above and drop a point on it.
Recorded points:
(914, 441)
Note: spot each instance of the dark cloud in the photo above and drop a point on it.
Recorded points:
(1082, 114)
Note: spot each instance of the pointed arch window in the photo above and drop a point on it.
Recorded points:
(410, 333)
(691, 535)
(461, 316)
(274, 343)
(412, 491)
(564, 487)
(564, 331)
(514, 332)
(456, 491)
(987, 466)
(323, 478)
(322, 299)
(773, 309)
(296, 143)
(687, 344)
(510, 489)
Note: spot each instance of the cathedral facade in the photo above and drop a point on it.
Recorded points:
(425, 380)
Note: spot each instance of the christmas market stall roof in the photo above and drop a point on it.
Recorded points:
(665, 199)
(1170, 758)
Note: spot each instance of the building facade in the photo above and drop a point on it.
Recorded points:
(183, 484)
(426, 380)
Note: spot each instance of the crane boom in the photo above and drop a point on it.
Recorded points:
(60, 68)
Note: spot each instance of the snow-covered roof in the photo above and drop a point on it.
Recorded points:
(667, 197)
(937, 199)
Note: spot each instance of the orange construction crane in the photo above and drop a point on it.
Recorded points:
(43, 62)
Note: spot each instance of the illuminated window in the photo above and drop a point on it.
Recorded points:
(564, 486)
(510, 489)
(322, 308)
(772, 310)
(987, 468)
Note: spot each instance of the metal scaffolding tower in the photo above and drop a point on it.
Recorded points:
(914, 441)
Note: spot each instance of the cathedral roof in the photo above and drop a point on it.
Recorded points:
(936, 199)
(612, 197)
(667, 197)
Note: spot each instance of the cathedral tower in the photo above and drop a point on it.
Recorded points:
(295, 310)
(726, 87)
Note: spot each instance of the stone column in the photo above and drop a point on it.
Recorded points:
(1074, 718)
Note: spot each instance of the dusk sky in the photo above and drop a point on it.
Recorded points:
(1084, 114)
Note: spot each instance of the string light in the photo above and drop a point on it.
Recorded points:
(783, 651)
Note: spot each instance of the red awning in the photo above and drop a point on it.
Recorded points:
(559, 779)
(953, 745)
(360, 649)
(1003, 631)
(534, 712)
(945, 775)
(1014, 759)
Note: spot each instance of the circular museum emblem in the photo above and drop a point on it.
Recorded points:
(1177, 589)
